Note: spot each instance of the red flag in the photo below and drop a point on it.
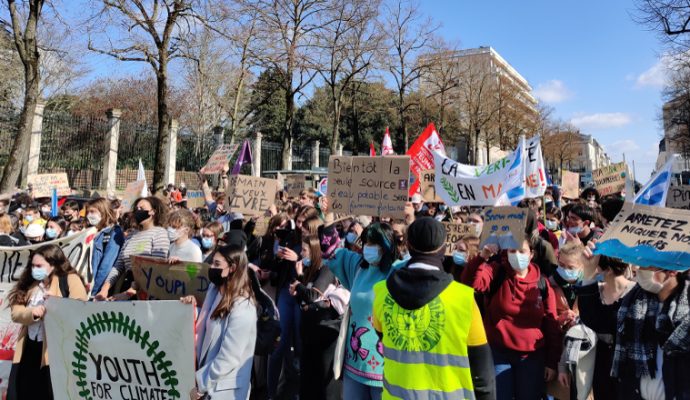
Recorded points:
(420, 154)
(372, 149)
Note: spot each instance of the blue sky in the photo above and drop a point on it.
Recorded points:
(588, 59)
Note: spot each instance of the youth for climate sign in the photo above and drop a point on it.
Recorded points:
(161, 280)
(504, 227)
(649, 237)
(77, 248)
(610, 179)
(120, 350)
(250, 195)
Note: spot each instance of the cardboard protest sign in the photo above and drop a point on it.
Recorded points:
(610, 179)
(261, 226)
(504, 227)
(195, 198)
(132, 193)
(421, 154)
(77, 248)
(163, 281)
(366, 192)
(42, 185)
(394, 181)
(250, 195)
(427, 184)
(455, 232)
(120, 350)
(649, 236)
(294, 184)
(219, 159)
(338, 183)
(678, 197)
(571, 184)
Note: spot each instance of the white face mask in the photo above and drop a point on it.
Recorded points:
(173, 234)
(645, 278)
(518, 261)
(551, 225)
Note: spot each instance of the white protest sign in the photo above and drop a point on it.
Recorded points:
(219, 159)
(120, 350)
(535, 174)
(42, 185)
(77, 248)
(132, 193)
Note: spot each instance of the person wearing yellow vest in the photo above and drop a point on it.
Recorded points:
(434, 344)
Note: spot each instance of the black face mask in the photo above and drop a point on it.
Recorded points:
(141, 216)
(214, 275)
(68, 218)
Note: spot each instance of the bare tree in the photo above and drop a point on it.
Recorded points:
(441, 81)
(558, 145)
(348, 45)
(407, 36)
(152, 33)
(286, 35)
(24, 33)
(670, 17)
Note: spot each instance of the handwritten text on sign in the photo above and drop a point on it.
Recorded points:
(339, 183)
(120, 350)
(455, 232)
(294, 184)
(427, 180)
(251, 195)
(678, 197)
(504, 227)
(219, 159)
(42, 185)
(610, 179)
(163, 281)
(571, 184)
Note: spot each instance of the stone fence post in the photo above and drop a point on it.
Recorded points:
(171, 154)
(256, 154)
(112, 138)
(35, 142)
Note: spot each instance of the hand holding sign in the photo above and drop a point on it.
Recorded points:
(504, 227)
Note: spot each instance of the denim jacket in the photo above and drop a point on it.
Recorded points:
(103, 259)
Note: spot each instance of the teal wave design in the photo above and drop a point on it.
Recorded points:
(644, 255)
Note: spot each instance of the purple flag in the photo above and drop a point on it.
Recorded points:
(245, 157)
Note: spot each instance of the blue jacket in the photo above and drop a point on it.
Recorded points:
(225, 348)
(103, 259)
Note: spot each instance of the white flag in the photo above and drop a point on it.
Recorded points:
(141, 176)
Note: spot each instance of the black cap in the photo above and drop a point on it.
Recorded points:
(426, 235)
(235, 238)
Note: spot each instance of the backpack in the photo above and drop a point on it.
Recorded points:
(268, 321)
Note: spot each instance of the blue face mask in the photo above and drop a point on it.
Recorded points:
(569, 275)
(306, 261)
(206, 243)
(51, 233)
(574, 230)
(518, 261)
(372, 254)
(459, 257)
(39, 274)
(29, 218)
(351, 237)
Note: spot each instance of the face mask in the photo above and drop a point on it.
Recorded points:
(306, 262)
(372, 254)
(141, 216)
(518, 261)
(68, 217)
(459, 257)
(551, 225)
(215, 276)
(645, 278)
(173, 234)
(29, 218)
(45, 210)
(351, 237)
(575, 230)
(70, 233)
(51, 233)
(94, 220)
(477, 229)
(39, 274)
(569, 275)
(206, 243)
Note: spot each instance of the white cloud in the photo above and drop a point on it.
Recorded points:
(656, 75)
(601, 120)
(553, 91)
(622, 146)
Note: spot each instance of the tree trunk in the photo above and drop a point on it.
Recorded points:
(236, 106)
(488, 151)
(335, 132)
(163, 126)
(355, 124)
(286, 162)
(20, 147)
(475, 153)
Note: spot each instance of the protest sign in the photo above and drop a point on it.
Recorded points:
(394, 181)
(421, 154)
(678, 197)
(261, 226)
(504, 227)
(455, 232)
(338, 183)
(365, 198)
(195, 198)
(132, 193)
(77, 248)
(164, 281)
(610, 179)
(649, 236)
(120, 350)
(571, 184)
(250, 195)
(219, 159)
(323, 186)
(42, 185)
(294, 184)
(427, 181)
(534, 180)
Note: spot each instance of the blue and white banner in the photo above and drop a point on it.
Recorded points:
(654, 192)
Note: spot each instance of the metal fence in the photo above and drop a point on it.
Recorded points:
(193, 151)
(137, 141)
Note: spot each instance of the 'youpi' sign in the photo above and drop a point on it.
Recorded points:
(120, 350)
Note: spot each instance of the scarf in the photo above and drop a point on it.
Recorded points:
(673, 322)
(636, 342)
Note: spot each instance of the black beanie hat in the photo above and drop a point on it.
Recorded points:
(426, 235)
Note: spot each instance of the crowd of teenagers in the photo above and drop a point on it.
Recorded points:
(370, 307)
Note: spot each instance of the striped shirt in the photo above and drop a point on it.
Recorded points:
(153, 242)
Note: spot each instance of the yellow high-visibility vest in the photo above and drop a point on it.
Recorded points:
(425, 350)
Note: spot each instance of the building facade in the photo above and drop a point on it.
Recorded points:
(676, 138)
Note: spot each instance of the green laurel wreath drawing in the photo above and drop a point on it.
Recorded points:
(119, 323)
(449, 188)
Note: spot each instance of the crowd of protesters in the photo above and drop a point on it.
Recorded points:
(370, 307)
